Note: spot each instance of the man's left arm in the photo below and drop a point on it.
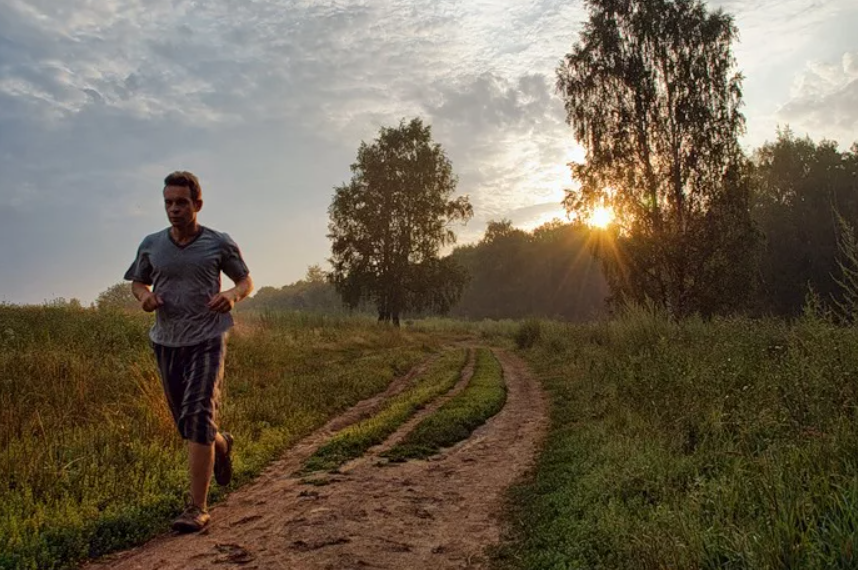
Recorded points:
(224, 301)
(233, 265)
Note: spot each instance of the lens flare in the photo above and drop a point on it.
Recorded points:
(601, 217)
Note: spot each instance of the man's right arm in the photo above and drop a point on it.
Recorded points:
(149, 301)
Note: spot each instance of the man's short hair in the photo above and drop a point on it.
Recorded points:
(185, 179)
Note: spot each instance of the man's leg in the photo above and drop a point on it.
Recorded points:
(201, 463)
(204, 376)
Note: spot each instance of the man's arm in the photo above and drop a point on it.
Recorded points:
(149, 301)
(224, 301)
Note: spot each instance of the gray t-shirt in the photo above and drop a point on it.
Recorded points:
(187, 277)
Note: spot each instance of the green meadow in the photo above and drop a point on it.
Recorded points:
(89, 459)
(727, 443)
(723, 444)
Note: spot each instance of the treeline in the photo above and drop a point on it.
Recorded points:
(802, 203)
(801, 188)
(549, 272)
(801, 192)
(798, 187)
(312, 293)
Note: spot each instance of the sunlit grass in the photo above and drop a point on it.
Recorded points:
(724, 444)
(457, 419)
(353, 441)
(89, 458)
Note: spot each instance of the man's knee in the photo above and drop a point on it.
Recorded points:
(199, 428)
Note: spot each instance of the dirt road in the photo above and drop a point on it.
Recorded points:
(439, 513)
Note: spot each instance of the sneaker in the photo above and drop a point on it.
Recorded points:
(194, 519)
(223, 462)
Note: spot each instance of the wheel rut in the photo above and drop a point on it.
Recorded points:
(437, 513)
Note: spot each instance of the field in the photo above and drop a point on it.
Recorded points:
(726, 444)
(717, 444)
(89, 461)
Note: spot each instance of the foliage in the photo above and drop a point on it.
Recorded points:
(63, 303)
(484, 397)
(89, 458)
(651, 95)
(528, 333)
(388, 224)
(693, 444)
(800, 185)
(848, 265)
(549, 272)
(117, 297)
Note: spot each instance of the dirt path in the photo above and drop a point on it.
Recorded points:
(373, 453)
(439, 513)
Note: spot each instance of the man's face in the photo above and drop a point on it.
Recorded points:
(181, 210)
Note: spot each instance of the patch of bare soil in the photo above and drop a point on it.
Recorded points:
(440, 513)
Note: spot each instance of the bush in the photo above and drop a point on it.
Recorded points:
(528, 333)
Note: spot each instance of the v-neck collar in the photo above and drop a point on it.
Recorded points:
(184, 246)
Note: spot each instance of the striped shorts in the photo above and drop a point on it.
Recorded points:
(192, 377)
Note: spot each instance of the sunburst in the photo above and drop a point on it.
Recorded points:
(601, 217)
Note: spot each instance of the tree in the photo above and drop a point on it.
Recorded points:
(651, 94)
(801, 185)
(315, 274)
(312, 293)
(549, 272)
(388, 224)
(117, 296)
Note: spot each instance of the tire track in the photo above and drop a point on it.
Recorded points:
(372, 454)
(439, 513)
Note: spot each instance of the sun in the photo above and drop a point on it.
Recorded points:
(601, 217)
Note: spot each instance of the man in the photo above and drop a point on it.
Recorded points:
(177, 275)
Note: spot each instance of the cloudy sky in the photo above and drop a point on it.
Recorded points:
(268, 100)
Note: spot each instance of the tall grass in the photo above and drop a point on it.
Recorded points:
(725, 444)
(89, 458)
(493, 331)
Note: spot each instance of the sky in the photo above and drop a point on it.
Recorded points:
(267, 102)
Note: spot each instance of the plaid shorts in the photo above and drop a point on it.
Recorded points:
(192, 377)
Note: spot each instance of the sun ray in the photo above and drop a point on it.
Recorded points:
(601, 217)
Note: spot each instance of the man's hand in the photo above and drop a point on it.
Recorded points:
(151, 302)
(223, 302)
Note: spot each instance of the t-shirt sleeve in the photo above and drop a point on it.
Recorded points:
(231, 261)
(141, 269)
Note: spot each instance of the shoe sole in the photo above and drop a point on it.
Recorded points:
(187, 528)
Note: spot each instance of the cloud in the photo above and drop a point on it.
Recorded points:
(268, 101)
(508, 142)
(824, 100)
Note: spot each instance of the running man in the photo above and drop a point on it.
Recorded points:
(177, 275)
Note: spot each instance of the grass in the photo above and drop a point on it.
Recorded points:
(484, 396)
(89, 458)
(692, 445)
(495, 332)
(354, 440)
